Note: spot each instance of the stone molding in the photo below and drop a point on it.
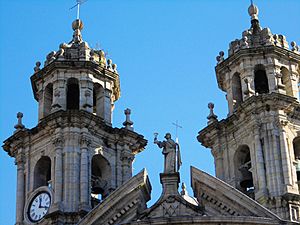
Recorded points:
(225, 199)
(121, 204)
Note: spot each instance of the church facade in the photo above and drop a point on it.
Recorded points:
(75, 168)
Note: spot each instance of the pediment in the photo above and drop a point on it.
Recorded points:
(219, 198)
(171, 206)
(122, 205)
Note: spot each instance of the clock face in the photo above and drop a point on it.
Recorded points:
(39, 206)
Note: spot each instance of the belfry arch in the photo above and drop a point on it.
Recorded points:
(261, 83)
(101, 175)
(237, 95)
(243, 174)
(73, 94)
(98, 95)
(286, 81)
(42, 172)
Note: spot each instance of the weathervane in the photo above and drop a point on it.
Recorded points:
(177, 126)
(78, 3)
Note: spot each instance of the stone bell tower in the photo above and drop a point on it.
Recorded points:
(257, 147)
(73, 158)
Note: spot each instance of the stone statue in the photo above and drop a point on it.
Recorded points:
(171, 152)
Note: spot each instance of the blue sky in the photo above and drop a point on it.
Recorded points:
(165, 51)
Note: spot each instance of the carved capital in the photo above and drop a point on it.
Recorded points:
(127, 157)
(281, 124)
(216, 154)
(85, 142)
(257, 125)
(58, 142)
(20, 161)
(19, 145)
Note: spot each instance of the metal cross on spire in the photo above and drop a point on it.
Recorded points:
(78, 3)
(177, 126)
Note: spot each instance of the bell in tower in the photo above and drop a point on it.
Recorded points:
(256, 148)
(73, 158)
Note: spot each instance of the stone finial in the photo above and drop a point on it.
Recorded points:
(109, 64)
(114, 68)
(253, 12)
(102, 58)
(245, 42)
(183, 189)
(92, 54)
(61, 51)
(211, 117)
(77, 26)
(37, 66)
(50, 57)
(294, 46)
(128, 123)
(220, 57)
(19, 125)
(275, 37)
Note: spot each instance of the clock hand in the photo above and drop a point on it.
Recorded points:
(40, 203)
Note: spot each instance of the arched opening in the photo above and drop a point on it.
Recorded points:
(72, 94)
(42, 172)
(261, 84)
(243, 172)
(97, 98)
(48, 98)
(237, 95)
(101, 175)
(296, 146)
(286, 81)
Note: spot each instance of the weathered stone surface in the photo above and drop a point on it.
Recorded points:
(256, 147)
(122, 205)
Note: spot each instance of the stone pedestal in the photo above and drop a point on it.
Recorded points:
(170, 182)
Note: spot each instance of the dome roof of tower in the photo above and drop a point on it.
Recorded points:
(257, 37)
(78, 50)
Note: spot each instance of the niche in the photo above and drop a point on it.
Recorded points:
(72, 94)
(261, 84)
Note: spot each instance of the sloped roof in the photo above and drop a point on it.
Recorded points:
(123, 204)
(219, 198)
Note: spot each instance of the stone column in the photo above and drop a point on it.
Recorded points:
(41, 103)
(58, 179)
(86, 94)
(261, 173)
(59, 94)
(118, 165)
(219, 164)
(84, 174)
(20, 197)
(277, 160)
(271, 77)
(107, 106)
(286, 165)
(126, 158)
(271, 154)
